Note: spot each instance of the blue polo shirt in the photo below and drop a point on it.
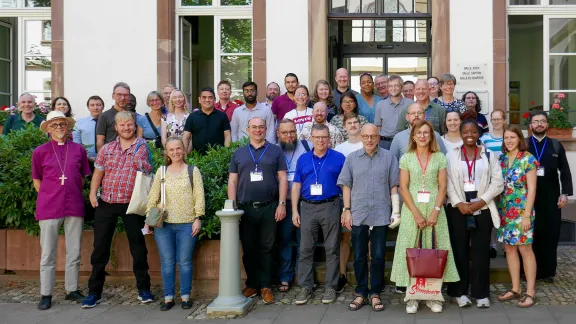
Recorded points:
(328, 168)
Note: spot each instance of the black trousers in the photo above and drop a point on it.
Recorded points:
(546, 236)
(258, 233)
(105, 219)
(473, 267)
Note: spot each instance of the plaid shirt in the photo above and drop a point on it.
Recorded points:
(120, 169)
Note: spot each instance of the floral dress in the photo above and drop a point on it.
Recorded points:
(511, 206)
(173, 127)
(456, 105)
(338, 121)
(408, 229)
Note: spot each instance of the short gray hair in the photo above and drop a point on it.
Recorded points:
(320, 127)
(121, 85)
(447, 77)
(382, 75)
(157, 94)
(393, 77)
(27, 94)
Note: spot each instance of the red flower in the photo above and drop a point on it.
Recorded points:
(523, 239)
(238, 102)
(518, 200)
(509, 191)
(561, 95)
(555, 106)
(526, 115)
(4, 108)
(533, 103)
(523, 178)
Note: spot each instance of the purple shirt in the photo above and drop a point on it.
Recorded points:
(54, 199)
(281, 105)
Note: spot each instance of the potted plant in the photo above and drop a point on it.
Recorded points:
(558, 124)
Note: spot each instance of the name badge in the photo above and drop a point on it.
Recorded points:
(540, 172)
(256, 176)
(478, 211)
(316, 189)
(423, 196)
(469, 186)
(290, 176)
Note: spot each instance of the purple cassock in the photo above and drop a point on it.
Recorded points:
(60, 196)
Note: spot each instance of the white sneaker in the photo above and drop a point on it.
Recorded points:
(483, 303)
(463, 301)
(434, 305)
(412, 307)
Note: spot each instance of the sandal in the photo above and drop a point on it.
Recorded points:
(284, 287)
(514, 295)
(354, 305)
(376, 305)
(523, 300)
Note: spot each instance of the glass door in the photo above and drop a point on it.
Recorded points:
(5, 64)
(186, 58)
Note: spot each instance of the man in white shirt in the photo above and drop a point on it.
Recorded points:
(251, 109)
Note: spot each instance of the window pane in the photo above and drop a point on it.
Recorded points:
(4, 43)
(562, 38)
(563, 2)
(5, 76)
(236, 36)
(562, 72)
(196, 2)
(8, 3)
(38, 37)
(42, 96)
(5, 100)
(236, 69)
(568, 103)
(409, 68)
(38, 3)
(236, 2)
(37, 73)
(524, 2)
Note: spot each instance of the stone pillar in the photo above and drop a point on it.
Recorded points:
(441, 37)
(318, 41)
(57, 69)
(166, 39)
(499, 22)
(259, 46)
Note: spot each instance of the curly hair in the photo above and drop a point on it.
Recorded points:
(330, 99)
(478, 107)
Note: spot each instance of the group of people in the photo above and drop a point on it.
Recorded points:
(345, 164)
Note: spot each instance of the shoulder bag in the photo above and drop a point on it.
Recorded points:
(158, 139)
(142, 185)
(426, 263)
(155, 217)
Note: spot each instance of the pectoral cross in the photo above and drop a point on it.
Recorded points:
(62, 178)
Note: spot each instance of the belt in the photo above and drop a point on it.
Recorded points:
(384, 138)
(258, 204)
(316, 202)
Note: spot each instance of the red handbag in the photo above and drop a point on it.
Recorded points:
(426, 263)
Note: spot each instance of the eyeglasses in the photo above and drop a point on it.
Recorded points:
(370, 137)
(417, 113)
(432, 84)
(539, 122)
(378, 84)
(348, 102)
(422, 134)
(155, 100)
(302, 95)
(59, 125)
(321, 138)
(254, 127)
(393, 86)
(291, 133)
(249, 91)
(497, 120)
(353, 122)
(121, 95)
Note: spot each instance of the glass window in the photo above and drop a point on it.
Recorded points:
(235, 2)
(38, 59)
(38, 3)
(236, 36)
(196, 2)
(237, 69)
(8, 3)
(563, 2)
(379, 6)
(562, 35)
(236, 53)
(524, 2)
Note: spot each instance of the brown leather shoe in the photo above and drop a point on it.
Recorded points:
(249, 292)
(267, 296)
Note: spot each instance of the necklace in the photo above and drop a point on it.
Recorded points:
(62, 177)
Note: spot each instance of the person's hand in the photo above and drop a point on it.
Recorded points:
(562, 201)
(93, 200)
(280, 212)
(347, 220)
(526, 224)
(296, 218)
(432, 218)
(196, 226)
(464, 208)
(419, 220)
(149, 230)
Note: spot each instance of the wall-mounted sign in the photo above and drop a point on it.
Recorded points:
(471, 73)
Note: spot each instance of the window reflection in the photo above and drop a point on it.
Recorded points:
(38, 3)
(379, 6)
(237, 69)
(236, 35)
(196, 2)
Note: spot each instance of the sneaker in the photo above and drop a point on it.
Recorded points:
(303, 296)
(186, 304)
(249, 292)
(75, 296)
(434, 305)
(411, 307)
(463, 301)
(400, 290)
(329, 296)
(342, 282)
(483, 303)
(145, 296)
(90, 301)
(493, 253)
(45, 303)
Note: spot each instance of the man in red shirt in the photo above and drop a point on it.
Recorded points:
(224, 104)
(284, 103)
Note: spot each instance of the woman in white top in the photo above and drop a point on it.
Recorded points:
(452, 138)
(301, 115)
(178, 111)
(474, 180)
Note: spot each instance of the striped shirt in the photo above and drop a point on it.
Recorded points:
(494, 144)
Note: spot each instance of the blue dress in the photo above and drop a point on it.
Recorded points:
(148, 131)
(365, 109)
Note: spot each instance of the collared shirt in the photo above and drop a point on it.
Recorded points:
(244, 163)
(336, 136)
(85, 133)
(337, 95)
(16, 122)
(327, 168)
(371, 179)
(434, 113)
(388, 113)
(399, 144)
(365, 109)
(267, 104)
(105, 125)
(242, 115)
(120, 168)
(291, 158)
(228, 110)
(207, 129)
(281, 105)
(54, 199)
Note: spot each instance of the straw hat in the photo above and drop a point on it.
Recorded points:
(55, 115)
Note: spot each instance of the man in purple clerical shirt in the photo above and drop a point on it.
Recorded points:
(58, 171)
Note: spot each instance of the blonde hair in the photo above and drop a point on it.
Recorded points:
(432, 146)
(168, 160)
(171, 106)
(123, 116)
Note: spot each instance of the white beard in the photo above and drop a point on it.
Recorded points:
(61, 136)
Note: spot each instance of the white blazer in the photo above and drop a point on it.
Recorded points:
(491, 181)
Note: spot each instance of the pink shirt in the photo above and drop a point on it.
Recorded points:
(229, 109)
(281, 105)
(54, 199)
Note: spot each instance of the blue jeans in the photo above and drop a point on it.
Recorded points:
(285, 231)
(176, 245)
(361, 235)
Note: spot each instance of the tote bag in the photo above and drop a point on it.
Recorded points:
(142, 185)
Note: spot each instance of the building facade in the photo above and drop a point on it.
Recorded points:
(515, 53)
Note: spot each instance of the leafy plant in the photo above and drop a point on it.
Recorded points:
(558, 115)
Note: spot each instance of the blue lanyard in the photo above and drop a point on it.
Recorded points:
(261, 155)
(539, 155)
(427, 112)
(301, 126)
(314, 164)
(288, 163)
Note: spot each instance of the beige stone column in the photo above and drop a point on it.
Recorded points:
(57, 69)
(500, 93)
(166, 43)
(317, 41)
(259, 46)
(441, 37)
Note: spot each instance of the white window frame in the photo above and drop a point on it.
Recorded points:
(544, 6)
(22, 54)
(219, 12)
(10, 60)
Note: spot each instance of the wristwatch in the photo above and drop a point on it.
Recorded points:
(437, 208)
(345, 209)
(199, 218)
(282, 203)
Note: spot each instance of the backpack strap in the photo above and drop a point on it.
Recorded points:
(556, 146)
(306, 146)
(152, 125)
(191, 175)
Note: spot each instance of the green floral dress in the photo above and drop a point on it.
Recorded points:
(408, 230)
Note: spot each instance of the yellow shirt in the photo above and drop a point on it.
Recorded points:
(183, 204)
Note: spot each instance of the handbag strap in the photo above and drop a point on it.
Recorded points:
(191, 175)
(152, 125)
(420, 234)
(163, 185)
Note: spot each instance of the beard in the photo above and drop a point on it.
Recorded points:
(540, 133)
(289, 146)
(250, 99)
(61, 135)
(271, 97)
